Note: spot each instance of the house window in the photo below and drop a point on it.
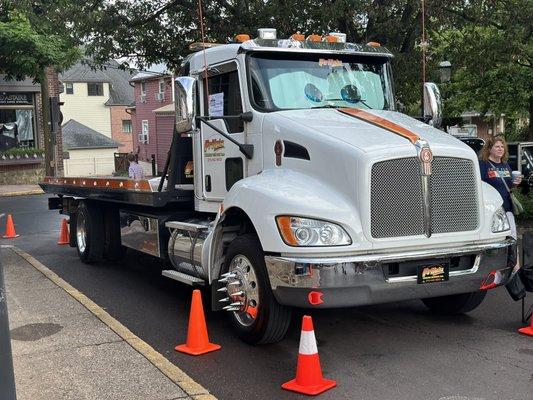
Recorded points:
(95, 89)
(143, 89)
(126, 125)
(161, 86)
(69, 88)
(144, 135)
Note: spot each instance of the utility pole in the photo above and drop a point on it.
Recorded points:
(49, 155)
(7, 377)
(423, 45)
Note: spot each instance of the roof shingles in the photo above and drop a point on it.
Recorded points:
(120, 91)
(78, 136)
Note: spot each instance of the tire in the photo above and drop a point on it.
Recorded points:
(261, 319)
(113, 249)
(89, 232)
(455, 304)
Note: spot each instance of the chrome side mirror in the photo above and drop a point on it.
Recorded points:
(185, 101)
(432, 104)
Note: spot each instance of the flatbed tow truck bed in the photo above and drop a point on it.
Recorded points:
(118, 190)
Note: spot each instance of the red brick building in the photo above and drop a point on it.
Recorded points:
(152, 115)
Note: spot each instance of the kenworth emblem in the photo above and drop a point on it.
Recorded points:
(426, 157)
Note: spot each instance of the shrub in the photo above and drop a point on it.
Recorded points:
(527, 203)
(22, 151)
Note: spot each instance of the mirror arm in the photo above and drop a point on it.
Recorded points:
(246, 149)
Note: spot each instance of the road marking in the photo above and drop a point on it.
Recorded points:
(174, 373)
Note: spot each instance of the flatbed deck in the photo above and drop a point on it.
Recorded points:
(118, 190)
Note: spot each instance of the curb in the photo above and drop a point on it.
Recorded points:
(171, 371)
(23, 193)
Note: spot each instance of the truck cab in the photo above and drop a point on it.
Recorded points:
(309, 189)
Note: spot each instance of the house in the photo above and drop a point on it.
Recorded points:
(152, 115)
(89, 152)
(21, 126)
(98, 99)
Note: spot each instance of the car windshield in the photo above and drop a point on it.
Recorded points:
(281, 81)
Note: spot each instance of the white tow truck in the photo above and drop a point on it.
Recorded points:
(292, 181)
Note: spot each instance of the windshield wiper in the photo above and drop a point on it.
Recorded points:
(327, 106)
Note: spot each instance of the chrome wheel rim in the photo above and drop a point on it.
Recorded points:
(81, 233)
(242, 289)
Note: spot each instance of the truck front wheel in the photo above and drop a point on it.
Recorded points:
(89, 232)
(254, 312)
(456, 303)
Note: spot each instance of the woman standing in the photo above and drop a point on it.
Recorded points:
(496, 172)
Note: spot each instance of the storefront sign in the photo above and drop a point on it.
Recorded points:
(15, 99)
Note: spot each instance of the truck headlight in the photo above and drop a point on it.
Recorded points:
(296, 231)
(500, 222)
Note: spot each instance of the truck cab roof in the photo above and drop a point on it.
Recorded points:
(217, 53)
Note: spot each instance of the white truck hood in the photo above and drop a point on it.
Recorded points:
(364, 135)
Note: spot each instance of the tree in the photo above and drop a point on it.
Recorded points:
(492, 56)
(26, 50)
(29, 44)
(161, 30)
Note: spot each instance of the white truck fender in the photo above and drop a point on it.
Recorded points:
(284, 192)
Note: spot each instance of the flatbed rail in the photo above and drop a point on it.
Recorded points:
(120, 190)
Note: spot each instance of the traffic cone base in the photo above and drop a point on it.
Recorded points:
(209, 347)
(63, 233)
(197, 338)
(10, 228)
(309, 379)
(528, 330)
(309, 390)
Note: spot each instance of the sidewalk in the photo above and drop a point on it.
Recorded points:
(67, 347)
(19, 190)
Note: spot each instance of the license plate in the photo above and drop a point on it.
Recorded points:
(438, 272)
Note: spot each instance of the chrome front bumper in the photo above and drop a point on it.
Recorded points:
(362, 280)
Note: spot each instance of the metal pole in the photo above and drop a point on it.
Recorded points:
(7, 377)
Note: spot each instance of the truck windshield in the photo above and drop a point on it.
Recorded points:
(282, 81)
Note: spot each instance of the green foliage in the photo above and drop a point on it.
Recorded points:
(527, 203)
(21, 152)
(491, 54)
(27, 47)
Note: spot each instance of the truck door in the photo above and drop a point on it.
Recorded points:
(222, 162)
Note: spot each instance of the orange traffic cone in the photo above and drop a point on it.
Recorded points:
(63, 233)
(309, 379)
(527, 330)
(10, 228)
(197, 338)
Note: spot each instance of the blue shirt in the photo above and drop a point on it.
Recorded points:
(491, 173)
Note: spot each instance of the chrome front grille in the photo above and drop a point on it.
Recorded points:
(397, 199)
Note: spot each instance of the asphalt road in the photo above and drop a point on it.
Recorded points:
(392, 351)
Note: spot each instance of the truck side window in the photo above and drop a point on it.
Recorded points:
(226, 84)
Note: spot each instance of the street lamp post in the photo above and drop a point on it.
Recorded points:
(7, 377)
(445, 71)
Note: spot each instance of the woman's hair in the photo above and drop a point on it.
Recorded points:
(489, 144)
(131, 157)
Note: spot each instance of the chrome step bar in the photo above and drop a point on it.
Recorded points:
(184, 278)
